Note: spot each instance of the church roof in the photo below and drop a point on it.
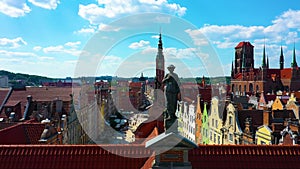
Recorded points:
(286, 73)
(241, 44)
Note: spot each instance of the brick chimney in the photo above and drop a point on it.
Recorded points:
(266, 115)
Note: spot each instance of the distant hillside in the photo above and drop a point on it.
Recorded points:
(212, 80)
(25, 79)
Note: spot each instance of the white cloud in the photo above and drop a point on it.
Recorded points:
(139, 45)
(153, 2)
(73, 44)
(68, 48)
(101, 27)
(155, 36)
(49, 49)
(89, 30)
(15, 8)
(162, 19)
(107, 9)
(105, 27)
(198, 38)
(47, 4)
(37, 48)
(12, 43)
(149, 50)
(46, 58)
(17, 54)
(180, 11)
(284, 28)
(18, 8)
(187, 53)
(288, 20)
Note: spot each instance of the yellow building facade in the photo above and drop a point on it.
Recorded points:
(215, 122)
(277, 105)
(263, 135)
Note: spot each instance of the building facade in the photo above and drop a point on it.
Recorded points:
(263, 135)
(205, 128)
(215, 122)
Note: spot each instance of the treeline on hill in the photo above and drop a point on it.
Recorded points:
(208, 80)
(24, 79)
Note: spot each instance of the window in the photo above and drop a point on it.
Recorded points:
(210, 135)
(219, 142)
(262, 142)
(215, 137)
(216, 123)
(230, 137)
(212, 121)
(230, 120)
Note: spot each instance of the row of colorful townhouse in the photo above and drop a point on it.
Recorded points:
(266, 119)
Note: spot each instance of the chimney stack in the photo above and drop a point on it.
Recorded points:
(266, 115)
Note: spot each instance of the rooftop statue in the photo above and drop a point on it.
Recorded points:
(172, 95)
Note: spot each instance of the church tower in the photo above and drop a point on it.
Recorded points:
(264, 63)
(294, 62)
(281, 59)
(160, 65)
(244, 59)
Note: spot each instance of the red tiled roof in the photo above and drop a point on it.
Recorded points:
(256, 115)
(41, 94)
(12, 103)
(4, 125)
(97, 156)
(241, 44)
(75, 156)
(145, 129)
(3, 93)
(22, 133)
(244, 156)
(286, 73)
(238, 76)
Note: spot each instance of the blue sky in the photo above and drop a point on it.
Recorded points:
(49, 37)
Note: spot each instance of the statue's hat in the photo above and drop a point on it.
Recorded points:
(171, 66)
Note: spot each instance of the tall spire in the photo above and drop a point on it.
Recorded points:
(294, 62)
(281, 59)
(160, 45)
(263, 65)
(160, 64)
(267, 61)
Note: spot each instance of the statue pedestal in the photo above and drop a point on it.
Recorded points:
(171, 151)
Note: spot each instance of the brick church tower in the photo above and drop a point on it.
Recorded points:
(245, 79)
(244, 59)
